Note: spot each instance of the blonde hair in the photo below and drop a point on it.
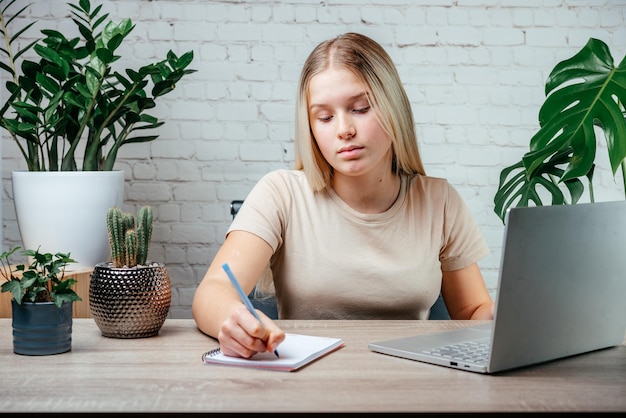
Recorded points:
(372, 65)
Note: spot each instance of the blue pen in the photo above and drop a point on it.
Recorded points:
(242, 295)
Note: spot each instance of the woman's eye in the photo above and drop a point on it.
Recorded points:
(362, 109)
(324, 118)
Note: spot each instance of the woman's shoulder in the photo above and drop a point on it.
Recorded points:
(284, 173)
(282, 177)
(429, 184)
(431, 190)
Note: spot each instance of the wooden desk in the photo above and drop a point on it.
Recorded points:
(165, 374)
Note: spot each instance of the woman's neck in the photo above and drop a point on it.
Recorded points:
(368, 195)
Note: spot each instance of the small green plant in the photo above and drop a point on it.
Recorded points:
(41, 281)
(129, 241)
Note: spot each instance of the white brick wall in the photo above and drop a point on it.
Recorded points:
(474, 70)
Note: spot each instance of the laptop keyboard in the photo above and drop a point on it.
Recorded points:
(470, 351)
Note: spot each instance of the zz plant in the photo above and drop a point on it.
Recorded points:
(71, 99)
(583, 93)
(129, 240)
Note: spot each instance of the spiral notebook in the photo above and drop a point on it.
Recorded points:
(296, 351)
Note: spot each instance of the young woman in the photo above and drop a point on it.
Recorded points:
(356, 230)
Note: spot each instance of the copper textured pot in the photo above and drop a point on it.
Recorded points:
(129, 302)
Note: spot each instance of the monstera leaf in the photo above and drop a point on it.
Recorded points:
(583, 92)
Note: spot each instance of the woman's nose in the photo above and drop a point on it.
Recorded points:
(346, 128)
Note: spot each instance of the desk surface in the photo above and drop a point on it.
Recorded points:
(165, 374)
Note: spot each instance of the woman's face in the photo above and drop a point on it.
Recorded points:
(344, 125)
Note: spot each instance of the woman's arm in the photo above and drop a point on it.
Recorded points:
(466, 295)
(216, 307)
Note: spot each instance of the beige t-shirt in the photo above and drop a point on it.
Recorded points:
(332, 262)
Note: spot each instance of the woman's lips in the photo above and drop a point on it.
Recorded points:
(349, 152)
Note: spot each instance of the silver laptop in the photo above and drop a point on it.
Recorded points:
(560, 293)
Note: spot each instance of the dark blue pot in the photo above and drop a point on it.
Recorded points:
(41, 328)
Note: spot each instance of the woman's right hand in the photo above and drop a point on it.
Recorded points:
(217, 308)
(242, 335)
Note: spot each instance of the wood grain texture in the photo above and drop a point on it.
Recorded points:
(165, 374)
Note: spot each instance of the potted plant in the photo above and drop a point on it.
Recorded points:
(74, 98)
(583, 92)
(130, 295)
(41, 303)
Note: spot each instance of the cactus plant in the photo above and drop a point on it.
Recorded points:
(144, 233)
(130, 287)
(129, 241)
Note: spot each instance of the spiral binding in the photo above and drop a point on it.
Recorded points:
(211, 353)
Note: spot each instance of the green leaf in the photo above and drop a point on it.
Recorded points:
(162, 88)
(7, 68)
(15, 288)
(29, 69)
(101, 19)
(19, 53)
(96, 66)
(60, 298)
(14, 89)
(52, 56)
(93, 84)
(50, 112)
(122, 80)
(138, 139)
(517, 188)
(48, 84)
(48, 54)
(113, 30)
(84, 30)
(83, 91)
(85, 5)
(146, 103)
(54, 36)
(150, 119)
(134, 75)
(29, 278)
(59, 73)
(584, 92)
(132, 117)
(126, 26)
(184, 61)
(27, 112)
(73, 99)
(570, 111)
(115, 41)
(105, 55)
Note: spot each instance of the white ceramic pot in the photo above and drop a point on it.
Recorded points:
(65, 211)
